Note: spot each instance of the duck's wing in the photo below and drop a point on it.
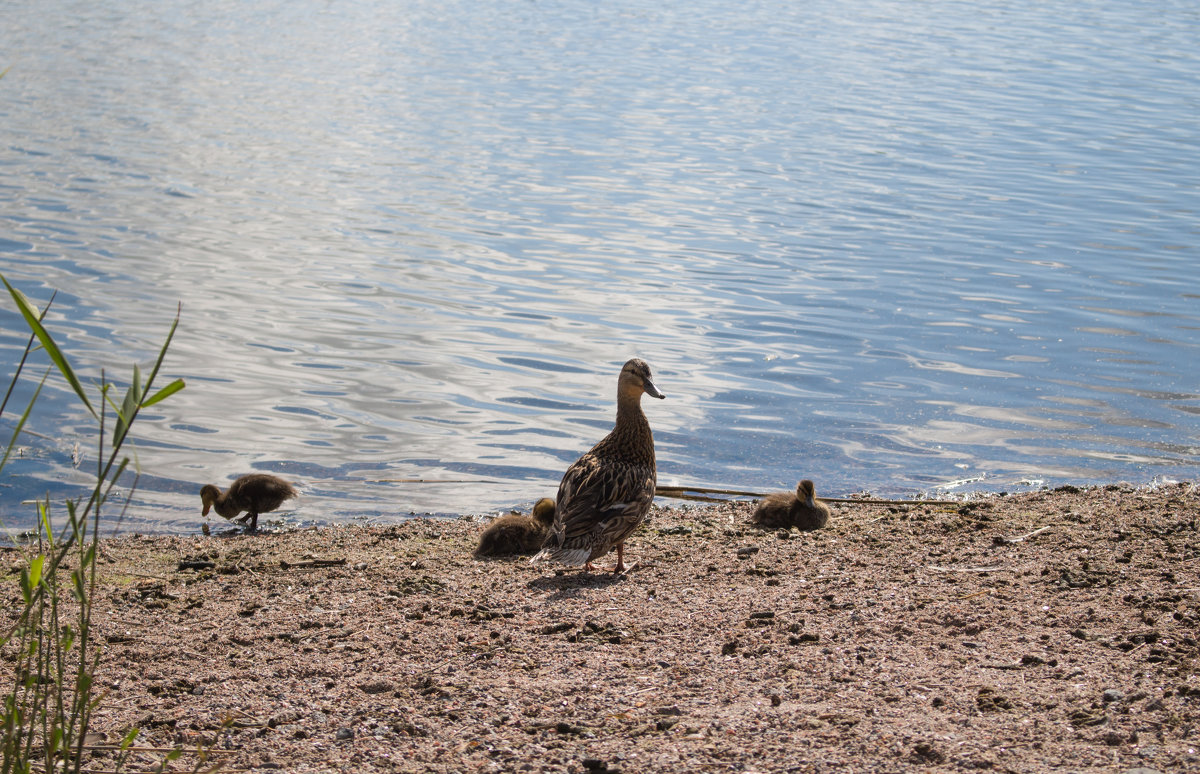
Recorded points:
(599, 503)
(260, 491)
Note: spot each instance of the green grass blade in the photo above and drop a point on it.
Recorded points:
(44, 519)
(56, 355)
(164, 393)
(26, 587)
(35, 570)
(128, 409)
(20, 424)
(25, 356)
(130, 738)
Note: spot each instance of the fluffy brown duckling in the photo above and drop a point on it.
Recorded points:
(256, 493)
(606, 493)
(784, 510)
(517, 533)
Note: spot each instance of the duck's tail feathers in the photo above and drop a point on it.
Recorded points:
(573, 557)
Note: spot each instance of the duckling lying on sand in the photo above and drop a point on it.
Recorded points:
(785, 510)
(256, 493)
(517, 533)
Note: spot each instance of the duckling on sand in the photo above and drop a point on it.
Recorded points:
(256, 493)
(517, 533)
(785, 509)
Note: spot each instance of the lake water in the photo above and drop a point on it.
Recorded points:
(894, 246)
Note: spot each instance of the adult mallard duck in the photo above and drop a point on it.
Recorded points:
(256, 493)
(605, 494)
(517, 533)
(784, 509)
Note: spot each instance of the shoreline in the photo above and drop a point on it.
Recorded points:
(1013, 633)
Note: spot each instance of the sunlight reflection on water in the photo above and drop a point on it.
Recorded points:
(885, 249)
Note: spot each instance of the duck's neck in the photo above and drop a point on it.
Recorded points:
(631, 437)
(225, 506)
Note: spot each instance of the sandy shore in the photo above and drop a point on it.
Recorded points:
(1028, 633)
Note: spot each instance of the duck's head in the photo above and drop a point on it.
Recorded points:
(636, 379)
(543, 511)
(209, 495)
(806, 492)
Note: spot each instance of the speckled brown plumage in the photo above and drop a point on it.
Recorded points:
(605, 494)
(784, 510)
(256, 493)
(517, 533)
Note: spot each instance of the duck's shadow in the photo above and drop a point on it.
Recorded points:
(568, 584)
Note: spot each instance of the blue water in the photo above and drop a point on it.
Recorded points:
(902, 247)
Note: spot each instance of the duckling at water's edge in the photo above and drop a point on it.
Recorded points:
(606, 493)
(517, 533)
(256, 493)
(785, 509)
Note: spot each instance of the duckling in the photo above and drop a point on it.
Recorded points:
(256, 493)
(606, 493)
(784, 509)
(517, 533)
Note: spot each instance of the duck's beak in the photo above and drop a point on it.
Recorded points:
(650, 389)
(206, 508)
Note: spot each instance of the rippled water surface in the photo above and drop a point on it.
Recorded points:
(886, 245)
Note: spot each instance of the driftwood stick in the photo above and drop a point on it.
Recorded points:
(699, 493)
(195, 564)
(667, 491)
(693, 492)
(309, 563)
(935, 568)
(433, 481)
(184, 750)
(1000, 539)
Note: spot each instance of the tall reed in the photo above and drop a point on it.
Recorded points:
(47, 648)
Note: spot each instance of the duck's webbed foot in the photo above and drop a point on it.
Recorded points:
(621, 568)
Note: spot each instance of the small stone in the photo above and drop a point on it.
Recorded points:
(926, 753)
(376, 686)
(1111, 695)
(991, 700)
(344, 734)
